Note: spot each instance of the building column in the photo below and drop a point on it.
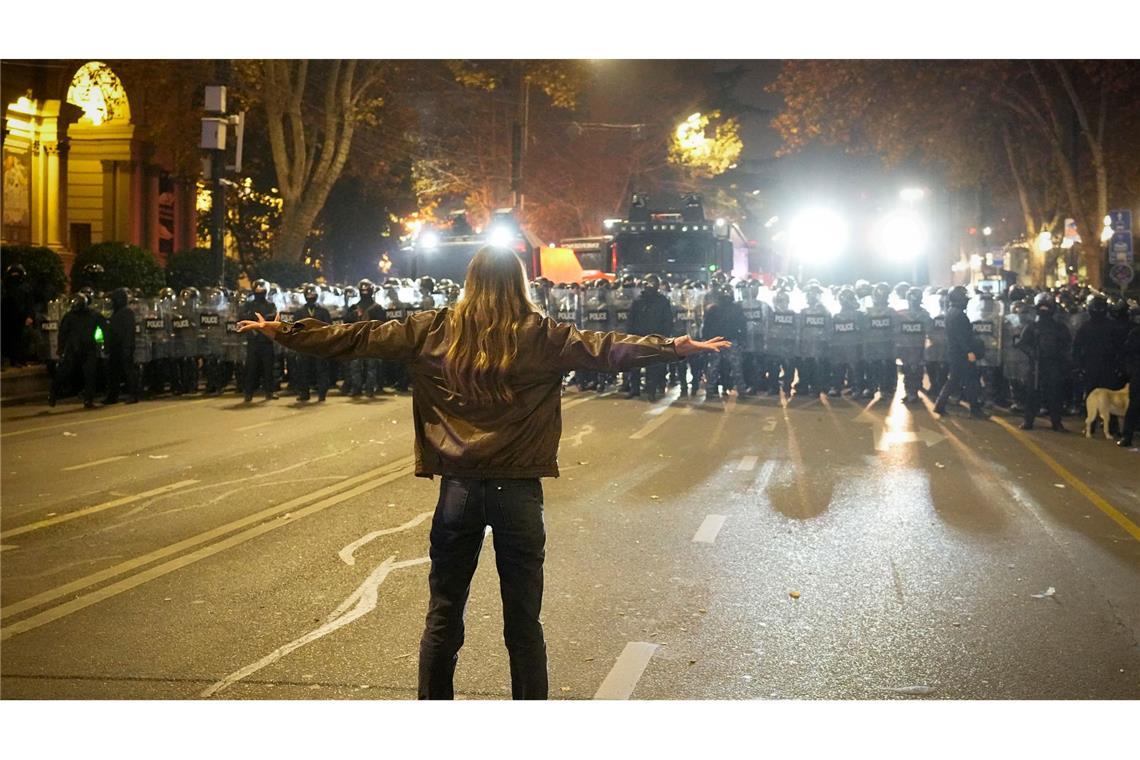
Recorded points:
(53, 237)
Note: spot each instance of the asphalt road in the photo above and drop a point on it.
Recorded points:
(755, 549)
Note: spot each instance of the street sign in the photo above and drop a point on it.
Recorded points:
(1120, 247)
(1121, 274)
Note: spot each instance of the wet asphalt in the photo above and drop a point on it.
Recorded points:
(763, 548)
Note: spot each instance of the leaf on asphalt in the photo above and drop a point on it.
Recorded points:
(692, 662)
(655, 498)
(583, 463)
(794, 594)
(158, 456)
(919, 690)
(588, 659)
(1046, 594)
(69, 434)
(1058, 485)
(940, 466)
(565, 688)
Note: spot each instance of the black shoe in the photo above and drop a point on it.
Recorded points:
(652, 396)
(940, 411)
(303, 398)
(979, 414)
(248, 399)
(132, 400)
(320, 398)
(1025, 426)
(272, 397)
(1059, 428)
(51, 400)
(88, 404)
(1125, 443)
(109, 400)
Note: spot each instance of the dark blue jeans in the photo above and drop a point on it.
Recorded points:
(513, 509)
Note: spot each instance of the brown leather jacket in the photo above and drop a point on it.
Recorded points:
(518, 440)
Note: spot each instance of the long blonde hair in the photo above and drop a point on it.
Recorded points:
(483, 327)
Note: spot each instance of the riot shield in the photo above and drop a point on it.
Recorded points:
(985, 315)
(879, 338)
(564, 305)
(596, 311)
(911, 328)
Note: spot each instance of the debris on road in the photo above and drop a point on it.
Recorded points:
(655, 498)
(914, 690)
(940, 466)
(794, 594)
(69, 434)
(565, 688)
(158, 456)
(1047, 593)
(1058, 485)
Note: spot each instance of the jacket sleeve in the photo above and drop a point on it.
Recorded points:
(605, 351)
(401, 341)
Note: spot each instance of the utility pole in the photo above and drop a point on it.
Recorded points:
(214, 128)
(519, 138)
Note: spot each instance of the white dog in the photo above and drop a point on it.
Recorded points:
(1103, 403)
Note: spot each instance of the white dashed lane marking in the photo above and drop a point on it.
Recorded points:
(96, 463)
(747, 464)
(626, 672)
(709, 529)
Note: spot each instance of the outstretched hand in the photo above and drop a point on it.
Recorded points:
(268, 329)
(686, 346)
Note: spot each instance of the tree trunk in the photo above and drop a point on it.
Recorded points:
(1036, 257)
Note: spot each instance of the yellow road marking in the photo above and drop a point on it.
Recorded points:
(96, 463)
(1098, 501)
(105, 418)
(82, 602)
(97, 508)
(157, 554)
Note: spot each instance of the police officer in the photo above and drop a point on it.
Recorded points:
(364, 375)
(595, 316)
(650, 314)
(1015, 363)
(937, 368)
(1047, 343)
(848, 326)
(312, 370)
(1097, 348)
(18, 313)
(880, 372)
(1131, 353)
(812, 327)
(258, 348)
(754, 348)
(79, 351)
(121, 349)
(724, 319)
(961, 355)
(782, 344)
(912, 326)
(187, 330)
(395, 373)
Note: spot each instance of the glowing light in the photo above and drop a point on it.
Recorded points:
(23, 105)
(987, 231)
(500, 235)
(771, 221)
(912, 194)
(976, 261)
(428, 240)
(97, 90)
(819, 234)
(902, 236)
(1044, 241)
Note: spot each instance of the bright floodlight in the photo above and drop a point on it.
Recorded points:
(902, 236)
(912, 194)
(500, 235)
(1045, 241)
(818, 234)
(429, 240)
(987, 231)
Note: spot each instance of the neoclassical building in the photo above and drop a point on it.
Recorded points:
(76, 173)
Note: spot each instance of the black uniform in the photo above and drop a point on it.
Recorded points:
(121, 351)
(258, 348)
(312, 370)
(17, 309)
(365, 374)
(1131, 352)
(1047, 343)
(963, 372)
(725, 318)
(1097, 351)
(78, 351)
(650, 314)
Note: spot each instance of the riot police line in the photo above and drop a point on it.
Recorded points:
(856, 339)
(1031, 351)
(137, 347)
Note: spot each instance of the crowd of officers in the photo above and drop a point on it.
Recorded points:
(1022, 350)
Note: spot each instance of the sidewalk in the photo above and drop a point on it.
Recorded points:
(23, 383)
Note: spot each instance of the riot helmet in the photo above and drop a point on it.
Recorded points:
(651, 282)
(189, 294)
(881, 294)
(914, 298)
(958, 296)
(862, 289)
(366, 288)
(848, 298)
(311, 293)
(16, 273)
(782, 300)
(1118, 308)
(1015, 293)
(901, 289)
(260, 288)
(1097, 305)
(814, 295)
(119, 298)
(78, 302)
(427, 284)
(1045, 305)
